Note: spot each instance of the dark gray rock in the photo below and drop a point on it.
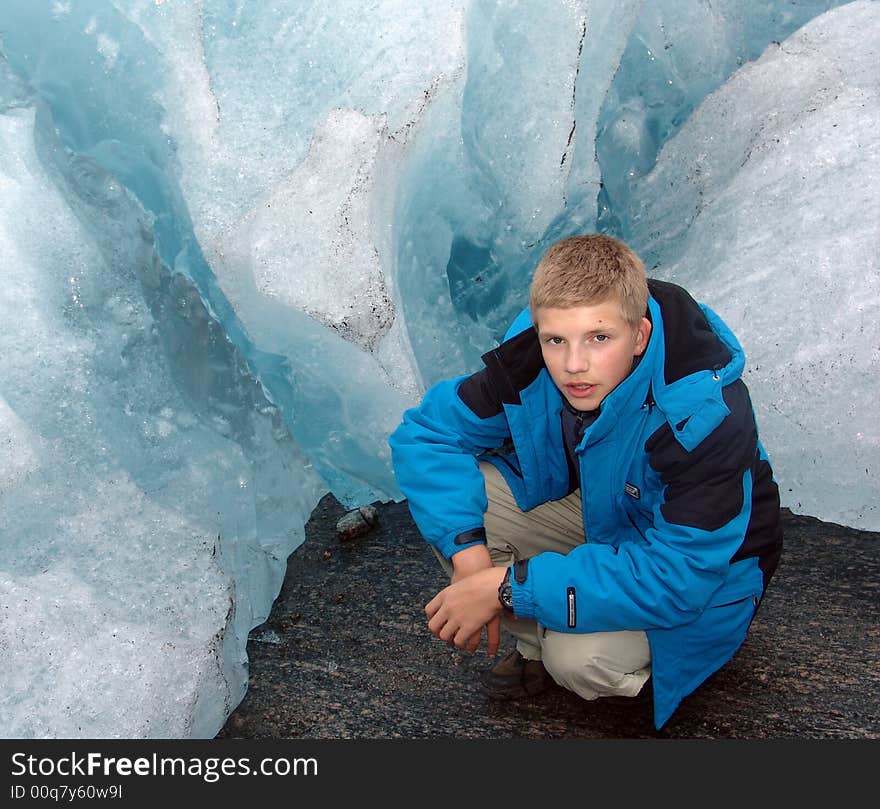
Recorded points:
(346, 652)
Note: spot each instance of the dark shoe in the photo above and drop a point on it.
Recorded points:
(515, 677)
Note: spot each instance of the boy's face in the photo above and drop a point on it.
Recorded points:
(589, 350)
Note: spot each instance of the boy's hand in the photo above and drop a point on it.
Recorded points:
(465, 563)
(458, 613)
(469, 561)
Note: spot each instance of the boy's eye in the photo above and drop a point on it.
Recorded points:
(554, 340)
(600, 338)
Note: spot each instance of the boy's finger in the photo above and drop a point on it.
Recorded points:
(493, 637)
(433, 605)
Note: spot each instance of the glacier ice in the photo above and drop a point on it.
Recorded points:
(677, 54)
(765, 206)
(237, 240)
(134, 484)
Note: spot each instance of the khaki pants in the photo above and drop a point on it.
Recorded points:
(592, 664)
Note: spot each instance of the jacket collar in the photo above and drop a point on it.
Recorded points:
(694, 403)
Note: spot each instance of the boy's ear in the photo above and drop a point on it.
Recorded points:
(643, 332)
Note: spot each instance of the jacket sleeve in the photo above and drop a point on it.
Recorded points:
(434, 452)
(672, 575)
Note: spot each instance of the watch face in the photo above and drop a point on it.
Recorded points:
(505, 592)
(506, 595)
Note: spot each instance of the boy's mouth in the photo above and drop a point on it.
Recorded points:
(580, 389)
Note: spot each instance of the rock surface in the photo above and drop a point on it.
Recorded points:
(346, 653)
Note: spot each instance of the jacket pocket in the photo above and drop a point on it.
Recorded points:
(504, 457)
(753, 598)
(634, 516)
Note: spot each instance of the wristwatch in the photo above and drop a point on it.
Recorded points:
(505, 592)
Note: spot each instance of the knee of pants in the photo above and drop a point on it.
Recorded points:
(598, 664)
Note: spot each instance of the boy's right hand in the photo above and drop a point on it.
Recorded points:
(465, 563)
(469, 561)
(458, 613)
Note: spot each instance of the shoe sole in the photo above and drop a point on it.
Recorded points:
(519, 691)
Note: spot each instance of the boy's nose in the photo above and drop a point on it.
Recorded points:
(576, 361)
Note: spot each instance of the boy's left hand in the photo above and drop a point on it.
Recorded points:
(458, 613)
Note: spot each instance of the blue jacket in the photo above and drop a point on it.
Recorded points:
(680, 508)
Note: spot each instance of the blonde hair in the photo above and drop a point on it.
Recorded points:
(587, 270)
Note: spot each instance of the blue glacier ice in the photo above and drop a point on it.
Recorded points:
(237, 240)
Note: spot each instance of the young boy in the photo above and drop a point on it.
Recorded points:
(598, 488)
